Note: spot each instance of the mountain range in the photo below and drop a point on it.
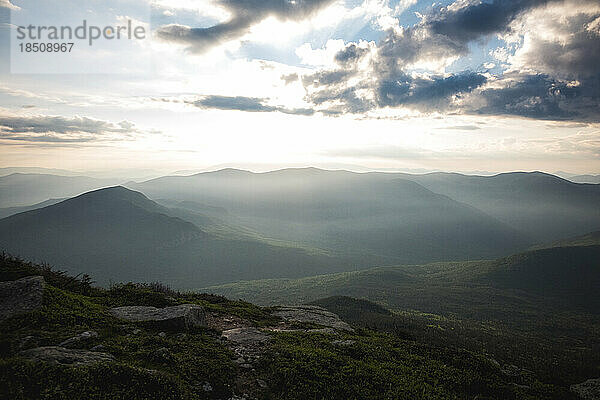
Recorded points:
(230, 225)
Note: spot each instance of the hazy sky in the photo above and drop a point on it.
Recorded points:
(464, 86)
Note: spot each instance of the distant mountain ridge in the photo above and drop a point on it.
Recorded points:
(542, 206)
(20, 189)
(371, 214)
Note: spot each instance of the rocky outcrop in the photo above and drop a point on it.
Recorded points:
(588, 390)
(246, 336)
(184, 316)
(248, 344)
(312, 314)
(22, 295)
(61, 355)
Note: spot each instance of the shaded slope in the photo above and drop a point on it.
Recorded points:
(116, 234)
(557, 278)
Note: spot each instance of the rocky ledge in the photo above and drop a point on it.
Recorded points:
(312, 314)
(184, 316)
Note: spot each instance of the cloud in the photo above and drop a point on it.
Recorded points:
(244, 14)
(541, 97)
(552, 76)
(426, 93)
(290, 78)
(565, 42)
(248, 104)
(462, 127)
(9, 5)
(59, 129)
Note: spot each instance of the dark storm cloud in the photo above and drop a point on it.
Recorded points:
(249, 104)
(58, 129)
(245, 13)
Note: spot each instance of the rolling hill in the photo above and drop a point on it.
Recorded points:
(116, 234)
(557, 277)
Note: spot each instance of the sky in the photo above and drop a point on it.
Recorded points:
(407, 85)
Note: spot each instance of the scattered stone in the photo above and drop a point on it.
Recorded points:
(20, 296)
(76, 340)
(136, 331)
(262, 384)
(64, 356)
(240, 360)
(162, 334)
(246, 366)
(99, 348)
(181, 336)
(588, 390)
(183, 316)
(207, 387)
(313, 314)
(343, 342)
(246, 336)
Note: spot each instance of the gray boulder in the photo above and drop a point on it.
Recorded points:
(588, 390)
(22, 295)
(61, 355)
(184, 316)
(313, 314)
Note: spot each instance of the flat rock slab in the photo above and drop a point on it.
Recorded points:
(313, 314)
(246, 336)
(183, 316)
(64, 356)
(588, 390)
(22, 295)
